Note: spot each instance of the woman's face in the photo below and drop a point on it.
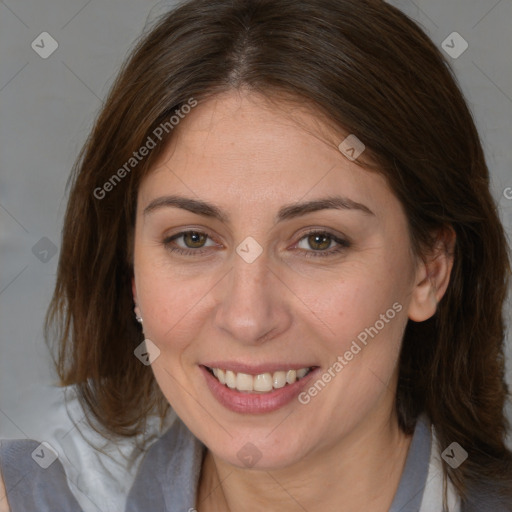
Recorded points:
(228, 275)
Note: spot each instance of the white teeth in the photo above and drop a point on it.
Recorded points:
(244, 382)
(230, 379)
(263, 382)
(291, 376)
(279, 380)
(302, 372)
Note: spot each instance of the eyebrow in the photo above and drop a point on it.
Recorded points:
(287, 212)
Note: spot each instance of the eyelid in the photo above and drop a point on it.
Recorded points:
(312, 230)
(195, 229)
(183, 233)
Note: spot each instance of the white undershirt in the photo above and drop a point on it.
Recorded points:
(433, 494)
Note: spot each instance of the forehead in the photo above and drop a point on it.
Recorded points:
(243, 147)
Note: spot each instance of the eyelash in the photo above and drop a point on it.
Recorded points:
(342, 244)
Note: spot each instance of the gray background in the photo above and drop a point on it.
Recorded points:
(48, 106)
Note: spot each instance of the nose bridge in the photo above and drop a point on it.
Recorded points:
(250, 305)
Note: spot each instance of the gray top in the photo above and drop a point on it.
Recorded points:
(168, 476)
(170, 483)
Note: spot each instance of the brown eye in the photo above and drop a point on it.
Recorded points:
(319, 242)
(189, 243)
(194, 239)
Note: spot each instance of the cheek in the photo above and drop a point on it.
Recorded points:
(365, 312)
(368, 331)
(366, 318)
(358, 299)
(173, 305)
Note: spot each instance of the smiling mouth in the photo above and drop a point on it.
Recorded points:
(261, 383)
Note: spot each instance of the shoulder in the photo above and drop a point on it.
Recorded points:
(82, 464)
(33, 477)
(169, 472)
(482, 494)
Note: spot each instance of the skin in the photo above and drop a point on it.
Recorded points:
(250, 157)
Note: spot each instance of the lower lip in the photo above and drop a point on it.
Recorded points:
(255, 403)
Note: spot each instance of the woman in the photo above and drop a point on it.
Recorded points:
(292, 198)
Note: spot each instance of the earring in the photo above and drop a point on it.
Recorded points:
(137, 316)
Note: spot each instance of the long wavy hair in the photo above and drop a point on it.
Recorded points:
(367, 68)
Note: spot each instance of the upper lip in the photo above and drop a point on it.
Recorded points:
(256, 369)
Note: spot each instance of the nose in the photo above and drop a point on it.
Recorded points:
(252, 304)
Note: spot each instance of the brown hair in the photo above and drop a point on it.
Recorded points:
(370, 70)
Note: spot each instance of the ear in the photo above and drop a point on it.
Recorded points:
(432, 276)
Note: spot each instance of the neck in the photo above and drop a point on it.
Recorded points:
(361, 472)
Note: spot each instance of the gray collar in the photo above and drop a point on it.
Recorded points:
(169, 474)
(414, 476)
